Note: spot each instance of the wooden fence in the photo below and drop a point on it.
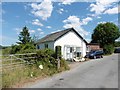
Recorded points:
(16, 60)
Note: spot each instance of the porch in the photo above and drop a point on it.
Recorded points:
(71, 52)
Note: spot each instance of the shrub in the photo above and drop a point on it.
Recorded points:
(6, 51)
(15, 49)
(108, 49)
(63, 65)
(27, 51)
(27, 46)
(45, 57)
(50, 52)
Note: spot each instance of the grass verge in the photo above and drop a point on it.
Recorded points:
(20, 75)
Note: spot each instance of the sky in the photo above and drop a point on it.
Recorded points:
(50, 16)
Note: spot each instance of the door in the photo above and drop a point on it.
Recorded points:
(69, 53)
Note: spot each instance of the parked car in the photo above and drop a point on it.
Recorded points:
(95, 54)
(117, 50)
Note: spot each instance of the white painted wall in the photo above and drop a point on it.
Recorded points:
(50, 45)
(70, 39)
(84, 48)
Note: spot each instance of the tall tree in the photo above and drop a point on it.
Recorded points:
(24, 36)
(105, 33)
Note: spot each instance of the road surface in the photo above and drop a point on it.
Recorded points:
(97, 73)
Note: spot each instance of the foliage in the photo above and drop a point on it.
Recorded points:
(46, 58)
(6, 51)
(17, 76)
(24, 36)
(15, 49)
(26, 44)
(27, 48)
(105, 33)
(117, 44)
(63, 65)
(1, 46)
(108, 49)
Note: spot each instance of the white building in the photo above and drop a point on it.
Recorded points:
(71, 42)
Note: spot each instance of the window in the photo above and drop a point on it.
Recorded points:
(71, 49)
(78, 54)
(46, 45)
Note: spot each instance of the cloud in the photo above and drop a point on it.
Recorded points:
(98, 17)
(39, 29)
(102, 6)
(18, 30)
(37, 22)
(41, 33)
(55, 31)
(97, 8)
(113, 10)
(42, 10)
(49, 27)
(61, 10)
(86, 20)
(102, 22)
(67, 2)
(74, 21)
(31, 31)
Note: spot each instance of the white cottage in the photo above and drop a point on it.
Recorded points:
(71, 42)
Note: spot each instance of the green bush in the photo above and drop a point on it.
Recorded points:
(15, 49)
(108, 49)
(50, 52)
(27, 46)
(45, 57)
(26, 51)
(23, 48)
(63, 65)
(6, 51)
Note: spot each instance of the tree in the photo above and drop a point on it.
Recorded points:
(24, 36)
(105, 34)
(26, 44)
(117, 44)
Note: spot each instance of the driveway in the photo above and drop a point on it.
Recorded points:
(97, 73)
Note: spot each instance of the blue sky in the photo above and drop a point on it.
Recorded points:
(46, 17)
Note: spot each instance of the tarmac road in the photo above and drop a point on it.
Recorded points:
(96, 73)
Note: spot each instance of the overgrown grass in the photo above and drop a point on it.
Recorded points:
(27, 72)
(21, 75)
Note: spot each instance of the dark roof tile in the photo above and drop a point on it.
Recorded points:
(56, 35)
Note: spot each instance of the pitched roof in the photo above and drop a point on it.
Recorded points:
(57, 35)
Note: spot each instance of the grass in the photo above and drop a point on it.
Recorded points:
(18, 76)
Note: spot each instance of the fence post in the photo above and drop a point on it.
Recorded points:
(11, 58)
(58, 65)
(58, 55)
